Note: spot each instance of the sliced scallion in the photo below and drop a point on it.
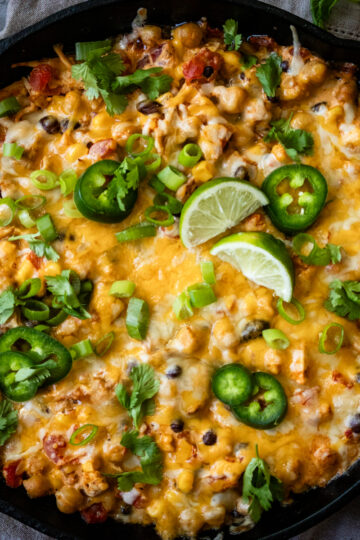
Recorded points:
(172, 203)
(122, 288)
(299, 308)
(43, 179)
(152, 163)
(190, 154)
(31, 202)
(137, 318)
(46, 228)
(29, 288)
(9, 209)
(78, 433)
(157, 185)
(136, 232)
(9, 106)
(102, 346)
(182, 306)
(67, 181)
(208, 273)
(201, 294)
(169, 220)
(70, 209)
(171, 177)
(13, 150)
(130, 143)
(25, 219)
(81, 349)
(35, 310)
(338, 338)
(276, 339)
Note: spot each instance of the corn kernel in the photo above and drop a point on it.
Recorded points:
(50, 268)
(185, 481)
(25, 271)
(75, 151)
(155, 509)
(101, 125)
(203, 171)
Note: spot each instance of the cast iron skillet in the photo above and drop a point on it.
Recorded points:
(98, 19)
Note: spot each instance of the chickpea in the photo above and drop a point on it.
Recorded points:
(37, 486)
(69, 499)
(185, 481)
(150, 34)
(185, 341)
(121, 132)
(279, 152)
(189, 34)
(224, 334)
(301, 120)
(231, 100)
(313, 72)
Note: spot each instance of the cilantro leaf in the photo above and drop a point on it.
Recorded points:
(232, 39)
(248, 60)
(260, 487)
(140, 402)
(39, 246)
(295, 141)
(8, 420)
(66, 287)
(151, 85)
(320, 10)
(344, 299)
(269, 73)
(7, 305)
(318, 256)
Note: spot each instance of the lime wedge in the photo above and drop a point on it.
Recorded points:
(217, 206)
(260, 257)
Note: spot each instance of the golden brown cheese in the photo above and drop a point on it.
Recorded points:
(227, 117)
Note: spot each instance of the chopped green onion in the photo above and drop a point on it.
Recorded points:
(153, 162)
(57, 318)
(10, 211)
(43, 179)
(172, 203)
(29, 288)
(162, 223)
(299, 308)
(337, 339)
(25, 219)
(46, 228)
(182, 306)
(81, 349)
(122, 289)
(190, 155)
(9, 106)
(84, 48)
(42, 328)
(70, 209)
(103, 345)
(129, 146)
(276, 339)
(13, 150)
(31, 202)
(80, 431)
(137, 318)
(136, 232)
(207, 271)
(201, 294)
(171, 177)
(67, 181)
(35, 310)
(156, 184)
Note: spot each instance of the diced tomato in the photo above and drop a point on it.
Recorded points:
(349, 434)
(12, 479)
(54, 447)
(340, 378)
(259, 41)
(215, 33)
(40, 77)
(103, 148)
(35, 260)
(96, 513)
(194, 69)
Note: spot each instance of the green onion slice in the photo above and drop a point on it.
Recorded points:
(129, 146)
(122, 289)
(13, 150)
(103, 345)
(171, 177)
(156, 184)
(182, 306)
(299, 308)
(56, 318)
(35, 310)
(136, 232)
(190, 155)
(172, 203)
(153, 162)
(46, 228)
(29, 288)
(81, 349)
(9, 106)
(208, 273)
(31, 202)
(9, 210)
(162, 223)
(67, 181)
(201, 294)
(84, 49)
(70, 209)
(137, 318)
(78, 433)
(25, 219)
(276, 339)
(43, 179)
(42, 328)
(337, 339)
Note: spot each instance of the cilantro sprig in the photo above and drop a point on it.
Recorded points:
(344, 299)
(66, 288)
(260, 488)
(8, 420)
(7, 305)
(38, 245)
(232, 39)
(318, 256)
(145, 79)
(269, 74)
(295, 141)
(139, 402)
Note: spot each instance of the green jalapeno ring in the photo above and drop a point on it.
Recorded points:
(309, 204)
(10, 363)
(232, 384)
(94, 198)
(268, 411)
(41, 348)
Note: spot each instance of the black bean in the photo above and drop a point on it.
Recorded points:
(148, 107)
(253, 329)
(209, 438)
(125, 509)
(242, 173)
(173, 371)
(242, 76)
(354, 423)
(64, 124)
(71, 237)
(208, 71)
(284, 65)
(50, 124)
(316, 107)
(235, 513)
(177, 426)
(273, 99)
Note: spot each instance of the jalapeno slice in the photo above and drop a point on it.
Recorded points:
(38, 347)
(297, 194)
(96, 194)
(232, 384)
(268, 405)
(12, 365)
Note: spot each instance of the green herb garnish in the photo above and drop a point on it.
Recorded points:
(151, 81)
(295, 141)
(66, 288)
(232, 39)
(8, 420)
(40, 247)
(269, 73)
(344, 299)
(318, 256)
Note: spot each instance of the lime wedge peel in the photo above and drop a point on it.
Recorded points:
(262, 258)
(217, 206)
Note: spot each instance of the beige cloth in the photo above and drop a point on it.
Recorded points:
(344, 22)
